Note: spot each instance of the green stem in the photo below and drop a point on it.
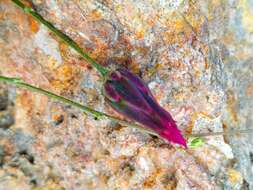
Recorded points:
(96, 114)
(103, 71)
(229, 132)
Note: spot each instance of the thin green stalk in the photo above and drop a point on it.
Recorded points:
(89, 111)
(96, 114)
(103, 71)
(229, 132)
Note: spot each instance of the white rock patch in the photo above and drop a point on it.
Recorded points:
(48, 45)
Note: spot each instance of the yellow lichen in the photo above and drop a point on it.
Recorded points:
(34, 26)
(234, 177)
(118, 8)
(65, 77)
(247, 14)
(52, 63)
(140, 33)
(96, 14)
(50, 185)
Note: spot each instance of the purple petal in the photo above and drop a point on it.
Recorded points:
(135, 80)
(174, 135)
(137, 114)
(130, 96)
(166, 129)
(111, 93)
(127, 92)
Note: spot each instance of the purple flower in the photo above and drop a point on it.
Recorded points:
(130, 96)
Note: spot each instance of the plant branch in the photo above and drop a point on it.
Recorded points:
(102, 70)
(100, 115)
(228, 132)
(87, 110)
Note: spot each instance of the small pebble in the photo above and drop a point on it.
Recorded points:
(3, 99)
(1, 155)
(6, 120)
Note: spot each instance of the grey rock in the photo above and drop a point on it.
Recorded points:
(6, 119)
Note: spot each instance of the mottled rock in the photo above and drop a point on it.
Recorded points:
(196, 56)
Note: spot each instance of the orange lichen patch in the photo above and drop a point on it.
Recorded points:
(34, 26)
(56, 117)
(149, 182)
(234, 177)
(140, 33)
(198, 73)
(65, 77)
(2, 15)
(100, 50)
(134, 67)
(207, 65)
(179, 24)
(95, 14)
(64, 48)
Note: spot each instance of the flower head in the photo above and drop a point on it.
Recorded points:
(130, 96)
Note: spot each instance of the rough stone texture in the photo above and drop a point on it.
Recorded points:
(195, 56)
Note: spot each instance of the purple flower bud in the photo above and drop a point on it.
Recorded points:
(130, 96)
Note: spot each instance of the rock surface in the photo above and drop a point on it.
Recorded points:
(195, 56)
